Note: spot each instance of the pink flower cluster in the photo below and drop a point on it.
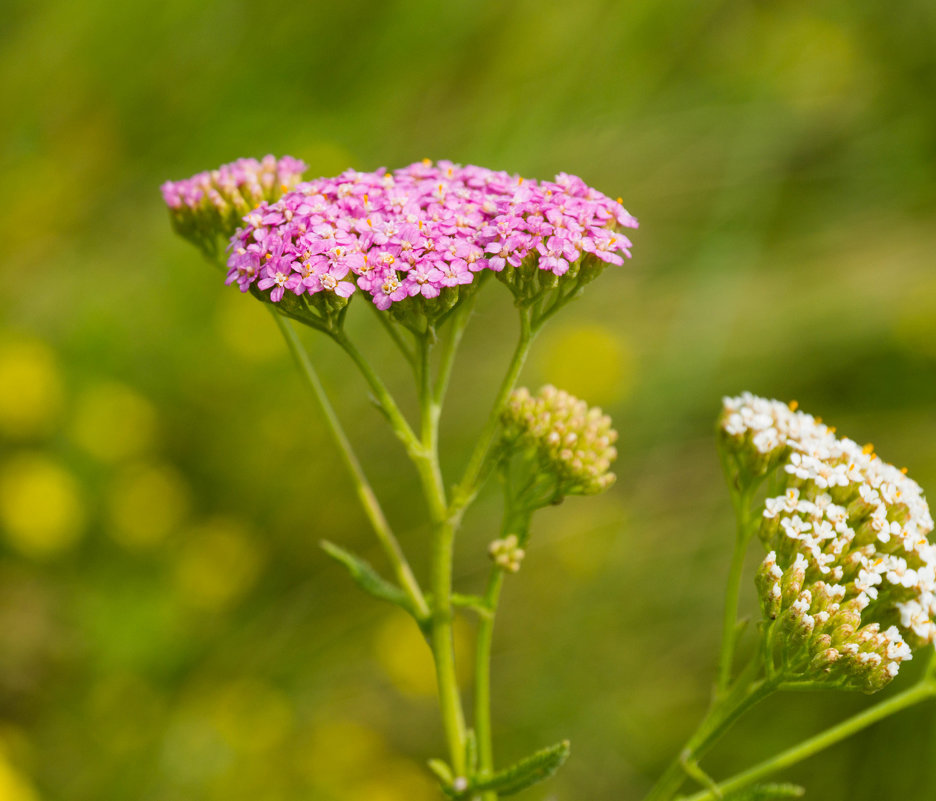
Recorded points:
(420, 230)
(243, 184)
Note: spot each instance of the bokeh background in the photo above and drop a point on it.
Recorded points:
(168, 627)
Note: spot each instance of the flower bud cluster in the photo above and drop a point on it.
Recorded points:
(423, 232)
(507, 553)
(214, 203)
(571, 441)
(850, 577)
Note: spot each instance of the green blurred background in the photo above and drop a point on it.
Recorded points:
(169, 629)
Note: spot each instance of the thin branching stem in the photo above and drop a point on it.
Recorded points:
(733, 587)
(364, 490)
(381, 394)
(441, 637)
(921, 691)
(470, 482)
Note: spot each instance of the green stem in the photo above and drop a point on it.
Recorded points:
(468, 486)
(365, 493)
(720, 717)
(733, 589)
(443, 648)
(482, 682)
(922, 691)
(516, 521)
(560, 299)
(441, 636)
(385, 400)
(427, 459)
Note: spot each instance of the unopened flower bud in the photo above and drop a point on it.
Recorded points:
(507, 553)
(824, 595)
(820, 642)
(768, 579)
(793, 578)
(880, 677)
(212, 204)
(571, 441)
(824, 661)
(843, 634)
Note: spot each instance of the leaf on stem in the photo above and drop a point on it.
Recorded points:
(527, 772)
(442, 772)
(366, 577)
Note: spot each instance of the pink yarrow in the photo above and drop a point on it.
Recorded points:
(420, 230)
(246, 177)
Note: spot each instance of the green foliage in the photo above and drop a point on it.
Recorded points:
(366, 577)
(442, 772)
(528, 771)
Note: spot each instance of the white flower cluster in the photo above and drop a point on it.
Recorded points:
(572, 441)
(851, 575)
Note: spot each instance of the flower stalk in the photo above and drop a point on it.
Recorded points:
(364, 490)
(515, 529)
(741, 498)
(475, 471)
(921, 691)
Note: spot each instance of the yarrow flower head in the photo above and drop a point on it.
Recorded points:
(214, 203)
(848, 587)
(418, 238)
(570, 445)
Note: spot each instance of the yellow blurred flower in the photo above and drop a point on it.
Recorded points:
(146, 503)
(30, 389)
(589, 361)
(218, 563)
(13, 785)
(112, 422)
(405, 657)
(41, 510)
